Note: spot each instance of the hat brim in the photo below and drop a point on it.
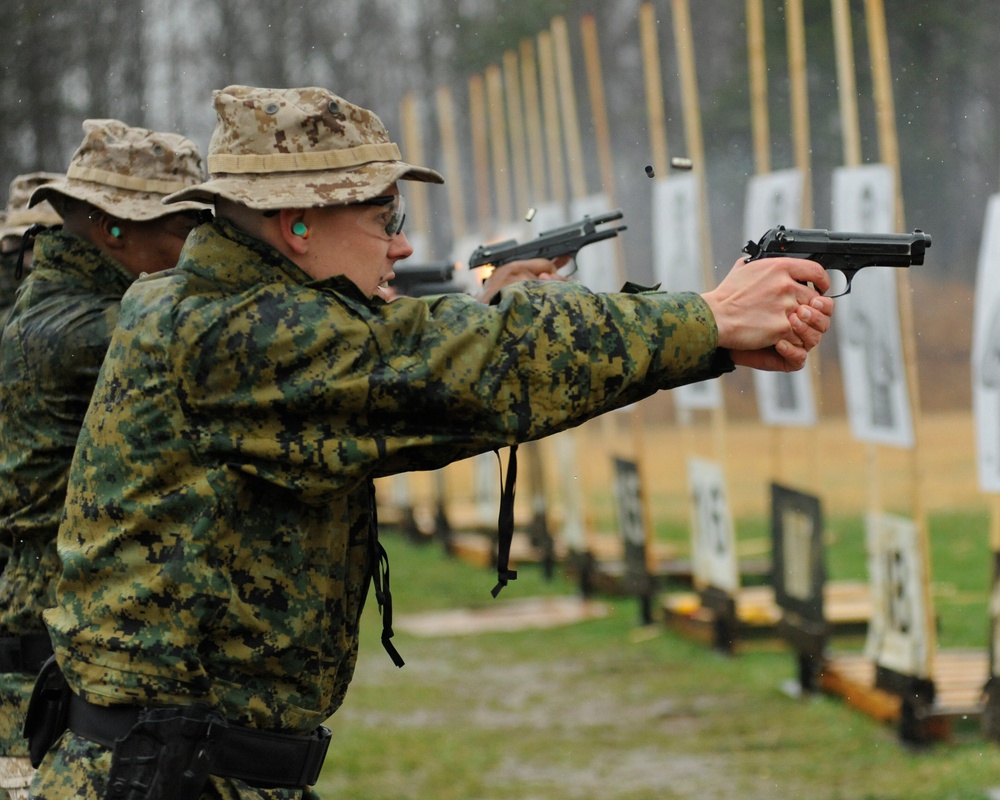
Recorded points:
(17, 222)
(307, 189)
(119, 203)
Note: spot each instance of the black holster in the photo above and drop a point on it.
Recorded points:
(167, 754)
(48, 711)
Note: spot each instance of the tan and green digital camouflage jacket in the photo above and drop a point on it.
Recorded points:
(8, 284)
(51, 352)
(216, 530)
(8, 288)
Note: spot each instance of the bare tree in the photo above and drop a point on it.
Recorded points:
(156, 63)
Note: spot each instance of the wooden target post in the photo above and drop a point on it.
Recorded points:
(524, 124)
(478, 125)
(401, 510)
(986, 411)
(788, 402)
(489, 143)
(902, 636)
(602, 129)
(517, 136)
(551, 118)
(694, 140)
(419, 231)
(533, 131)
(499, 144)
(805, 621)
(575, 533)
(640, 558)
(682, 202)
(499, 155)
(451, 157)
(641, 562)
(464, 240)
(452, 163)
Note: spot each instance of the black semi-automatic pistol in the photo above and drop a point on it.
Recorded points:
(564, 241)
(846, 253)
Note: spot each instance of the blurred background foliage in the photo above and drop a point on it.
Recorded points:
(155, 63)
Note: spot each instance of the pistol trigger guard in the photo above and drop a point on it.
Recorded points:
(848, 280)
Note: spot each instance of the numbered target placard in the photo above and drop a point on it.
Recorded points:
(713, 540)
(898, 634)
(799, 570)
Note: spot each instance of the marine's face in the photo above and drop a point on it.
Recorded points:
(361, 242)
(155, 245)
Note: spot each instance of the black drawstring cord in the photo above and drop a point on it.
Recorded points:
(28, 236)
(380, 578)
(505, 523)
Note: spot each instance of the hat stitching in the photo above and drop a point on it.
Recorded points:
(128, 182)
(231, 163)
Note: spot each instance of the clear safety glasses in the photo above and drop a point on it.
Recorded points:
(389, 220)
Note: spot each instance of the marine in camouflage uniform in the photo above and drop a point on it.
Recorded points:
(218, 543)
(50, 354)
(15, 220)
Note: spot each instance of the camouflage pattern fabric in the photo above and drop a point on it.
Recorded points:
(298, 148)
(15, 778)
(126, 172)
(214, 546)
(15, 689)
(18, 216)
(15, 219)
(8, 286)
(50, 355)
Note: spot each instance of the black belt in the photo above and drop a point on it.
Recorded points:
(257, 757)
(25, 653)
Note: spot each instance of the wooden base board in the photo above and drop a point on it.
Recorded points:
(847, 608)
(959, 677)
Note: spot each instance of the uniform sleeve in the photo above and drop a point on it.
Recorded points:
(320, 392)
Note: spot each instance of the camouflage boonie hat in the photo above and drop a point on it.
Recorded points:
(126, 172)
(298, 148)
(17, 217)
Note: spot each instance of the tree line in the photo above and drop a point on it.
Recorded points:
(155, 64)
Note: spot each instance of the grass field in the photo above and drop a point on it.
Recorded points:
(608, 709)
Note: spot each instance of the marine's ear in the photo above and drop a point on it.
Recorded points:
(293, 230)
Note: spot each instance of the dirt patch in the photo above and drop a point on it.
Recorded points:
(510, 615)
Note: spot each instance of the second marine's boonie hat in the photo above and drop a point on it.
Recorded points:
(126, 172)
(298, 148)
(18, 217)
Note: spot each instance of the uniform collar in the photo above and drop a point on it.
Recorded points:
(69, 253)
(224, 254)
